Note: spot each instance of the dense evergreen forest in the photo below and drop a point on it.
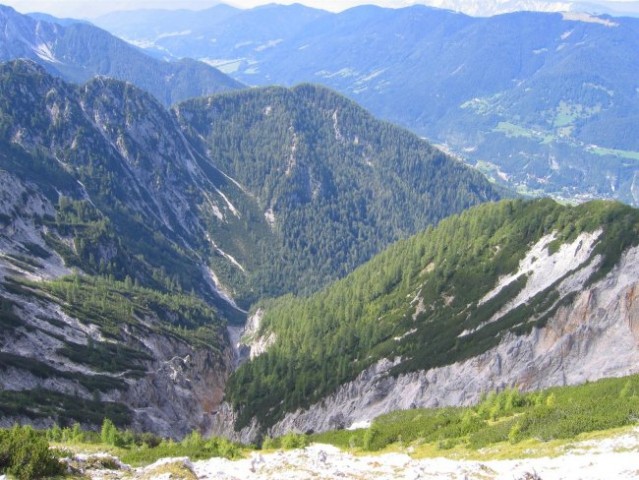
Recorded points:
(298, 186)
(338, 184)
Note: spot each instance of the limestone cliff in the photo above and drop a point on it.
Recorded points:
(594, 336)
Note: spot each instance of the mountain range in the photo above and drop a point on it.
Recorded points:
(543, 102)
(133, 235)
(276, 259)
(483, 8)
(78, 51)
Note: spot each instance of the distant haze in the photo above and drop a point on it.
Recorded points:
(90, 9)
(94, 8)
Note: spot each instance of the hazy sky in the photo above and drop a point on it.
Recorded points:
(93, 8)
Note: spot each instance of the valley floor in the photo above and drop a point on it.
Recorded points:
(603, 458)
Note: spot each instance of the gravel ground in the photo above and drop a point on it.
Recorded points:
(613, 458)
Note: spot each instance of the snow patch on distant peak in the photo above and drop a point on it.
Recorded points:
(374, 74)
(344, 73)
(183, 33)
(43, 51)
(587, 18)
(269, 44)
(487, 8)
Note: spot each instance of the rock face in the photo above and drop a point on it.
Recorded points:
(162, 382)
(179, 394)
(593, 337)
(176, 386)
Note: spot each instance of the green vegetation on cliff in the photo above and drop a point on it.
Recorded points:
(506, 417)
(418, 300)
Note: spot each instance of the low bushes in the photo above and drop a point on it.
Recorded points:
(25, 454)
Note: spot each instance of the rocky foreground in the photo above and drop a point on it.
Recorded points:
(616, 457)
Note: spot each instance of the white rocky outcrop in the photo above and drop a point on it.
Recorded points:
(23, 209)
(600, 460)
(567, 270)
(253, 344)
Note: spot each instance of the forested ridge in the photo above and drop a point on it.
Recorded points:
(414, 301)
(338, 184)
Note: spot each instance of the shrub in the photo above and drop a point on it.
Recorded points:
(25, 454)
(293, 440)
(109, 433)
(369, 438)
(515, 433)
(269, 444)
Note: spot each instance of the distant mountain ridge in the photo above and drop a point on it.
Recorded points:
(79, 51)
(205, 34)
(544, 102)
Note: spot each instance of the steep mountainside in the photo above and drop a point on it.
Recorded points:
(127, 242)
(99, 181)
(526, 294)
(334, 183)
(80, 51)
(115, 162)
(83, 348)
(544, 102)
